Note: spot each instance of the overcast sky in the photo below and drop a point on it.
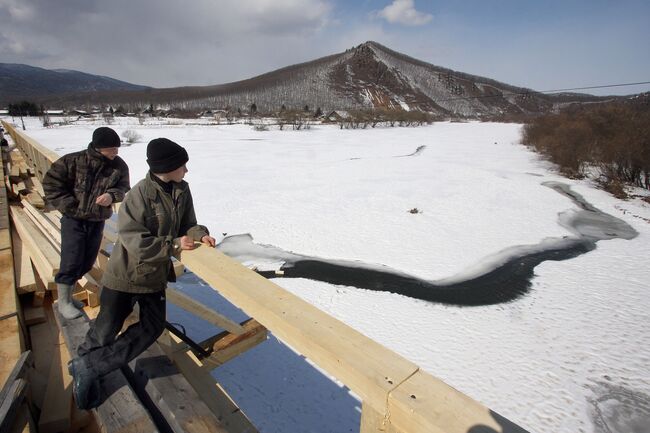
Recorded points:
(543, 45)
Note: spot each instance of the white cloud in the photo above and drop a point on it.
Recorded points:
(163, 43)
(404, 12)
(18, 10)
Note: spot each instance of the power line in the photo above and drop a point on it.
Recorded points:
(595, 87)
(530, 92)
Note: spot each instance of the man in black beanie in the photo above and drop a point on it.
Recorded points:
(155, 222)
(82, 186)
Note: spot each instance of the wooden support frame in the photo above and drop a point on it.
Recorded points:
(210, 391)
(227, 346)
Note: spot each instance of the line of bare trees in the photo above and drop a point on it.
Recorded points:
(611, 140)
(361, 119)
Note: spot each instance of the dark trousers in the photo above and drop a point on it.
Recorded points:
(105, 351)
(80, 242)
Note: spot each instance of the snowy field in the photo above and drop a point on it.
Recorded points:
(572, 355)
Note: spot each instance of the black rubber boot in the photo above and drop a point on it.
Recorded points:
(85, 384)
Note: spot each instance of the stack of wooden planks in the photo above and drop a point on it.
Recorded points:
(15, 412)
(20, 180)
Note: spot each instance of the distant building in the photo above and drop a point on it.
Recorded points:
(213, 114)
(80, 113)
(337, 115)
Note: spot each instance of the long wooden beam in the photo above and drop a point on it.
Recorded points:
(400, 396)
(365, 366)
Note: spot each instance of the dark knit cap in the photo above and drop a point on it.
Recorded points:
(163, 155)
(105, 137)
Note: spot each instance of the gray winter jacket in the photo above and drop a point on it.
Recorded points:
(150, 224)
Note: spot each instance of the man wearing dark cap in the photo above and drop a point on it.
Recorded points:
(155, 222)
(82, 186)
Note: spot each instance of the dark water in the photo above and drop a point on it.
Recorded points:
(506, 278)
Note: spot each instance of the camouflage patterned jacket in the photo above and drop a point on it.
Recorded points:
(74, 181)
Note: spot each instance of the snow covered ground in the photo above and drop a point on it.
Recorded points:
(572, 355)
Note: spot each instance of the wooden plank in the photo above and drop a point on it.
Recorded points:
(47, 227)
(19, 371)
(183, 301)
(56, 410)
(24, 421)
(5, 238)
(179, 268)
(55, 217)
(226, 346)
(121, 411)
(41, 289)
(172, 395)
(8, 297)
(366, 367)
(14, 172)
(424, 403)
(35, 199)
(373, 421)
(34, 315)
(25, 279)
(205, 385)
(10, 406)
(20, 187)
(23, 169)
(10, 348)
(38, 188)
(44, 336)
(82, 420)
(93, 297)
(43, 254)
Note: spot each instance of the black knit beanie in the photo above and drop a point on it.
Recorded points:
(105, 137)
(163, 155)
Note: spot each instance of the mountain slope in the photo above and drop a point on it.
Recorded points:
(23, 81)
(367, 76)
